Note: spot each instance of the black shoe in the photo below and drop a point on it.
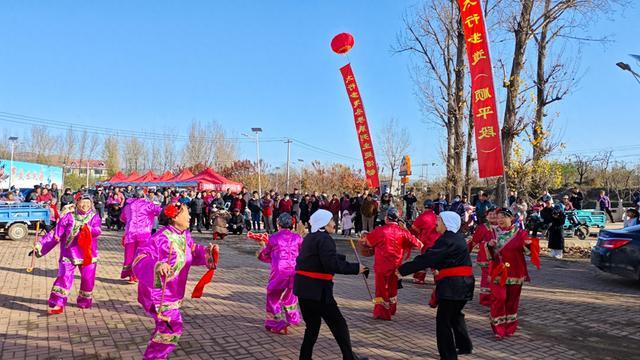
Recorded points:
(465, 352)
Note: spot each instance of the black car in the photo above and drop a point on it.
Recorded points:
(618, 252)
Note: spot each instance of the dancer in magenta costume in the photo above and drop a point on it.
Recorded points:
(166, 259)
(138, 215)
(77, 232)
(281, 251)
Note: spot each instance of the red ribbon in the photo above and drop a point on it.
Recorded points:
(84, 242)
(258, 237)
(499, 270)
(208, 276)
(535, 252)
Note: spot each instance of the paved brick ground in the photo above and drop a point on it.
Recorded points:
(569, 311)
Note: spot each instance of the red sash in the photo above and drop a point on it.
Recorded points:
(315, 275)
(454, 271)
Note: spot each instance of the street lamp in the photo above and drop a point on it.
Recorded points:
(13, 140)
(257, 131)
(627, 67)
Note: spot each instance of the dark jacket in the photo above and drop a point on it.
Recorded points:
(576, 200)
(66, 199)
(555, 220)
(318, 254)
(236, 220)
(254, 206)
(228, 198)
(305, 212)
(196, 205)
(450, 250)
(100, 200)
(218, 203)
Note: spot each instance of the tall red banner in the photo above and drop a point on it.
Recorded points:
(483, 96)
(362, 128)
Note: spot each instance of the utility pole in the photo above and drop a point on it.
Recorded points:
(13, 140)
(288, 142)
(257, 131)
(87, 174)
(301, 161)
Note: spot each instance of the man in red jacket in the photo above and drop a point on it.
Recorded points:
(334, 207)
(391, 242)
(424, 227)
(285, 205)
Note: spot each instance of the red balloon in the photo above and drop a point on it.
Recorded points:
(342, 43)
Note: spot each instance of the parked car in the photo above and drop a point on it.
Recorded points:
(618, 252)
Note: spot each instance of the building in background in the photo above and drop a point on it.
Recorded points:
(96, 168)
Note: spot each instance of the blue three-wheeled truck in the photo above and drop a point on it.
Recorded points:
(17, 218)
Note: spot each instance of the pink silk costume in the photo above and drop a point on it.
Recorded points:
(184, 253)
(67, 233)
(282, 305)
(138, 216)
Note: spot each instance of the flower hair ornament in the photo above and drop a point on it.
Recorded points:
(171, 210)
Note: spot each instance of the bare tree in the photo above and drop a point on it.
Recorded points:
(42, 144)
(524, 23)
(111, 155)
(199, 148)
(68, 146)
(394, 142)
(133, 153)
(436, 38)
(224, 149)
(168, 155)
(83, 146)
(584, 165)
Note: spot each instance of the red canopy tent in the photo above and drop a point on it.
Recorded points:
(182, 176)
(117, 177)
(211, 180)
(148, 176)
(127, 180)
(164, 177)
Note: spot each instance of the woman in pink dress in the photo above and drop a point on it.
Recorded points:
(162, 267)
(281, 251)
(77, 233)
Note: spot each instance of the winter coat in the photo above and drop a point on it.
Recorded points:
(450, 250)
(138, 215)
(369, 207)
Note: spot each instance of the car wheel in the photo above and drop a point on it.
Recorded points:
(18, 231)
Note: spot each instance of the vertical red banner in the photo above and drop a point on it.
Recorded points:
(362, 128)
(483, 96)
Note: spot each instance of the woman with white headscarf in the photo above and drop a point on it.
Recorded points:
(316, 265)
(454, 284)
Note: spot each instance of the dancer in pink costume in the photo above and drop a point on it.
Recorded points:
(162, 267)
(281, 251)
(138, 215)
(77, 232)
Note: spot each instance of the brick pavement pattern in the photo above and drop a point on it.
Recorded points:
(569, 311)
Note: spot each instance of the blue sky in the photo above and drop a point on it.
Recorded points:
(157, 65)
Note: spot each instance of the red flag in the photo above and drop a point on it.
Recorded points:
(362, 128)
(483, 95)
(208, 276)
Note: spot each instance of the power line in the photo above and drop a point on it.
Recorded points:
(96, 130)
(316, 148)
(21, 119)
